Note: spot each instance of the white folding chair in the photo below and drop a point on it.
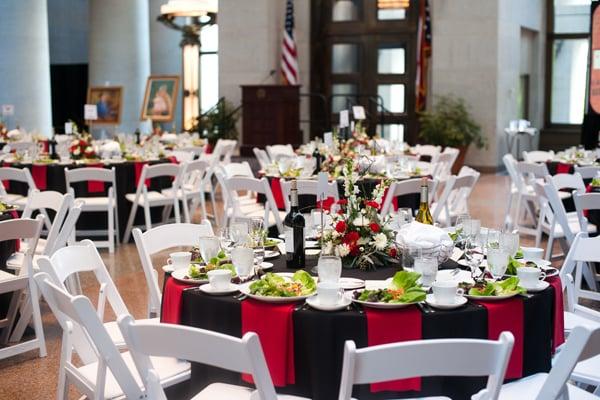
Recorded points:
(191, 193)
(527, 175)
(309, 187)
(106, 204)
(243, 355)
(437, 357)
(147, 199)
(262, 157)
(69, 261)
(237, 186)
(517, 186)
(590, 172)
(455, 153)
(401, 188)
(538, 156)
(456, 193)
(276, 151)
(102, 372)
(18, 175)
(159, 239)
(428, 150)
(182, 156)
(17, 229)
(583, 344)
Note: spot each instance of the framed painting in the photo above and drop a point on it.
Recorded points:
(160, 98)
(109, 103)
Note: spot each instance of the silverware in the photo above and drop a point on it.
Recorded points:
(426, 308)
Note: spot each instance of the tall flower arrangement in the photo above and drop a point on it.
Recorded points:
(359, 236)
(81, 147)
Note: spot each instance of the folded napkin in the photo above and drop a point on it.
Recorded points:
(394, 200)
(139, 166)
(110, 148)
(40, 176)
(327, 203)
(563, 168)
(559, 316)
(6, 183)
(508, 315)
(274, 326)
(171, 301)
(391, 326)
(416, 234)
(95, 186)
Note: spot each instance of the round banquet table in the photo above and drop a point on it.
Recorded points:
(315, 339)
(52, 177)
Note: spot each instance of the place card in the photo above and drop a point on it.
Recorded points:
(90, 112)
(68, 128)
(328, 139)
(358, 112)
(344, 119)
(322, 183)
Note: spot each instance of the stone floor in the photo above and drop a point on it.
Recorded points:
(30, 377)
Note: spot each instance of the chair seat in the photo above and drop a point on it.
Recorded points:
(587, 371)
(15, 199)
(572, 320)
(115, 333)
(222, 391)
(154, 199)
(528, 388)
(94, 203)
(169, 370)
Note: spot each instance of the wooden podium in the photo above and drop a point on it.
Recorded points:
(270, 115)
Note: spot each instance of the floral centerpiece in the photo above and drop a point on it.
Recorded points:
(81, 148)
(359, 236)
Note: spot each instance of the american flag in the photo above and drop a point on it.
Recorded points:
(423, 53)
(289, 53)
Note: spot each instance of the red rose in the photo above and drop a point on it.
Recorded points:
(393, 252)
(372, 203)
(340, 212)
(354, 251)
(375, 227)
(351, 237)
(340, 226)
(342, 202)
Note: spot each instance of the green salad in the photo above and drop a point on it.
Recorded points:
(508, 286)
(403, 289)
(454, 235)
(301, 284)
(513, 264)
(200, 272)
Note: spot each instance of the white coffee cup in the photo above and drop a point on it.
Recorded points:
(445, 292)
(532, 253)
(330, 293)
(179, 259)
(219, 279)
(530, 276)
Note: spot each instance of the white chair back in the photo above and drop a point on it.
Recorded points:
(277, 150)
(585, 202)
(238, 169)
(161, 238)
(558, 209)
(438, 357)
(202, 346)
(90, 174)
(568, 181)
(532, 171)
(182, 156)
(428, 150)
(262, 157)
(18, 175)
(309, 187)
(401, 188)
(590, 172)
(456, 192)
(537, 156)
(49, 200)
(583, 253)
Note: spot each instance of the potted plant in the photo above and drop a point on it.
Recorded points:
(219, 122)
(450, 123)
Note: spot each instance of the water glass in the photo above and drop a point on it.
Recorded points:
(243, 261)
(493, 239)
(209, 247)
(226, 239)
(256, 226)
(471, 228)
(329, 268)
(428, 268)
(509, 242)
(497, 260)
(239, 232)
(316, 216)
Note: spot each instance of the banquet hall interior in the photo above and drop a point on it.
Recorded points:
(300, 199)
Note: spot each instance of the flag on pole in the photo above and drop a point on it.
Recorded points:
(289, 53)
(423, 53)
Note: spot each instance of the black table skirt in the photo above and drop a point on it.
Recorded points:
(125, 180)
(319, 339)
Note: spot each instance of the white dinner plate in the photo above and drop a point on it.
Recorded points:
(181, 275)
(314, 302)
(351, 283)
(271, 254)
(490, 298)
(459, 301)
(209, 289)
(541, 285)
(266, 265)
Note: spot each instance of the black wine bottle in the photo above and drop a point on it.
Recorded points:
(317, 156)
(294, 232)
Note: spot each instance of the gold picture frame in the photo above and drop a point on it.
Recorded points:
(160, 98)
(109, 103)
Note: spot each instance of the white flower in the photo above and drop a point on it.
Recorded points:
(14, 134)
(342, 250)
(380, 241)
(327, 248)
(335, 234)
(76, 152)
(360, 221)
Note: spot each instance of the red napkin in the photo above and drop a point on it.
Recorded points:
(95, 186)
(507, 315)
(173, 160)
(39, 174)
(274, 326)
(208, 148)
(277, 193)
(390, 326)
(46, 146)
(394, 200)
(6, 183)
(139, 165)
(559, 316)
(171, 303)
(327, 203)
(15, 215)
(563, 168)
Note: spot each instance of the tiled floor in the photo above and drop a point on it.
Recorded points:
(30, 377)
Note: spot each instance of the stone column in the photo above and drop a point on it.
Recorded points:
(165, 54)
(25, 66)
(120, 52)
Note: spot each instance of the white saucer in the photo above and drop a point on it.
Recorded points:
(270, 254)
(314, 302)
(266, 265)
(459, 301)
(168, 268)
(209, 289)
(540, 286)
(351, 283)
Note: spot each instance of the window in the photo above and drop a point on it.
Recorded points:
(209, 67)
(344, 59)
(391, 60)
(345, 10)
(392, 9)
(568, 41)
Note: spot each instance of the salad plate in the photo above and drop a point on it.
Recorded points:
(459, 301)
(402, 291)
(493, 290)
(281, 288)
(209, 289)
(314, 302)
(183, 276)
(197, 274)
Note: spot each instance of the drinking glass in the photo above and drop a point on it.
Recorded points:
(471, 228)
(209, 247)
(497, 262)
(239, 232)
(405, 216)
(256, 226)
(509, 242)
(329, 268)
(316, 216)
(493, 239)
(243, 261)
(428, 268)
(226, 239)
